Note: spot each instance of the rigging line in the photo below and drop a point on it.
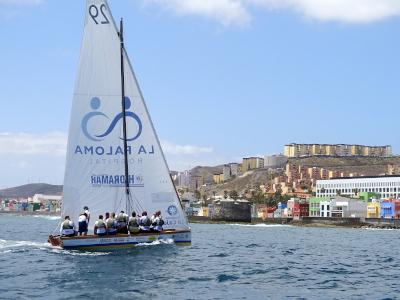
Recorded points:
(137, 203)
(58, 225)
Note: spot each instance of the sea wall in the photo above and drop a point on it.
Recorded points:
(231, 211)
(271, 220)
(377, 222)
(331, 221)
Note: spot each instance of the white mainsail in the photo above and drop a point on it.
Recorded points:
(94, 174)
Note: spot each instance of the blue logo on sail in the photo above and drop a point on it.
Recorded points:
(95, 104)
(172, 210)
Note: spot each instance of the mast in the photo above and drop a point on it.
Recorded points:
(127, 190)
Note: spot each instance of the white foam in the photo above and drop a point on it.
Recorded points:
(60, 250)
(157, 242)
(52, 218)
(380, 229)
(4, 244)
(261, 225)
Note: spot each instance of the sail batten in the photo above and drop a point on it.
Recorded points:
(104, 161)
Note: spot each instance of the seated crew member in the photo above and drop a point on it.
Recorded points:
(67, 227)
(82, 224)
(122, 220)
(157, 223)
(100, 226)
(87, 212)
(111, 224)
(133, 224)
(144, 222)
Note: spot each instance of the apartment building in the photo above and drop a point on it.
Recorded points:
(304, 150)
(252, 163)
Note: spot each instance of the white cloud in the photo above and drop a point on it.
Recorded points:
(55, 143)
(227, 12)
(32, 144)
(21, 2)
(174, 149)
(238, 12)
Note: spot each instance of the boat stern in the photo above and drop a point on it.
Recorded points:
(55, 240)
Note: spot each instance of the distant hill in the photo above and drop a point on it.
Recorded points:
(28, 190)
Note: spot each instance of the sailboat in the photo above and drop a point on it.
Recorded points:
(114, 158)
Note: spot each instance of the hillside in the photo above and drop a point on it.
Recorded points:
(29, 190)
(206, 172)
(239, 184)
(368, 166)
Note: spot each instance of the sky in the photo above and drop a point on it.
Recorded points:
(222, 79)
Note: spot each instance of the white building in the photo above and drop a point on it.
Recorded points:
(184, 179)
(341, 207)
(40, 198)
(275, 161)
(234, 169)
(386, 186)
(226, 171)
(325, 209)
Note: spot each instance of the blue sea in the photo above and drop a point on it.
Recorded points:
(224, 262)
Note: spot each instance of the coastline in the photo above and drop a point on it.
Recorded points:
(305, 222)
(312, 222)
(30, 213)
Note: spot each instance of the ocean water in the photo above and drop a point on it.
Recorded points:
(224, 262)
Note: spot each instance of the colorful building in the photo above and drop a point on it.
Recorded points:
(373, 210)
(300, 209)
(314, 208)
(390, 209)
(368, 196)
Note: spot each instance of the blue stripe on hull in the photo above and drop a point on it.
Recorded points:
(115, 244)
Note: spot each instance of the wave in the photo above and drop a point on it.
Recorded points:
(261, 225)
(5, 244)
(62, 251)
(380, 229)
(52, 218)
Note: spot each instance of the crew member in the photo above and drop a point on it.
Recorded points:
(144, 222)
(122, 220)
(100, 226)
(82, 224)
(87, 212)
(111, 224)
(133, 224)
(67, 227)
(157, 222)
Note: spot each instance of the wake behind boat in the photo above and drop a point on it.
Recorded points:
(114, 158)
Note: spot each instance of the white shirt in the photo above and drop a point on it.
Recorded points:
(88, 214)
(82, 218)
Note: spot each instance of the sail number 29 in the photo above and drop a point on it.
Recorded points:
(94, 13)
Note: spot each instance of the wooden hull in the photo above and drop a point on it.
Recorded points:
(120, 241)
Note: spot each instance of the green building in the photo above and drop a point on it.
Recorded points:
(314, 205)
(366, 196)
